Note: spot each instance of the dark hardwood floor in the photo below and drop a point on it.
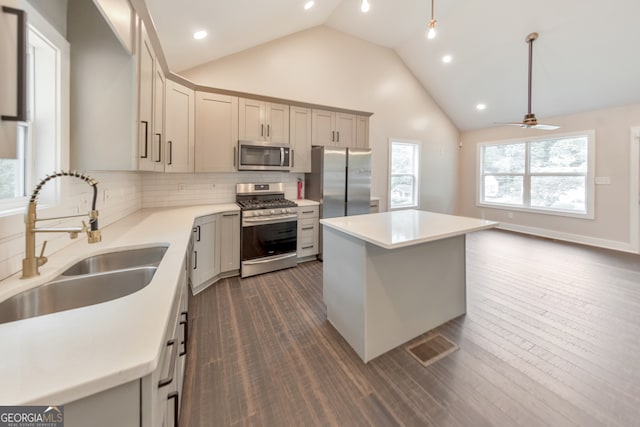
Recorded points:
(551, 337)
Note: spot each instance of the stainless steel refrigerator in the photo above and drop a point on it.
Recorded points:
(340, 180)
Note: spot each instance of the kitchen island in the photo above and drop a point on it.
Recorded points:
(389, 277)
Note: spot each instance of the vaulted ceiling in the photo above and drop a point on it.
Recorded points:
(586, 57)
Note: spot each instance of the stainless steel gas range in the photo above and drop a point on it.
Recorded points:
(269, 228)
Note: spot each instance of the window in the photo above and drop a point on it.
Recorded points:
(404, 161)
(550, 175)
(38, 139)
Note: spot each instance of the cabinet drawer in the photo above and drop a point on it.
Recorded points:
(308, 212)
(307, 237)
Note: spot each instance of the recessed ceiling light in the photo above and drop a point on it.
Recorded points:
(308, 5)
(199, 35)
(481, 107)
(365, 6)
(446, 59)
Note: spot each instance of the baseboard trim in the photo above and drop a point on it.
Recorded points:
(573, 238)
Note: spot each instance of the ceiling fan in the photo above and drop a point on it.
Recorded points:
(530, 121)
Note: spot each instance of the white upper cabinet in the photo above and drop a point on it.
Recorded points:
(323, 127)
(345, 130)
(121, 17)
(362, 132)
(331, 128)
(147, 149)
(216, 132)
(180, 128)
(263, 121)
(158, 119)
(300, 138)
(12, 83)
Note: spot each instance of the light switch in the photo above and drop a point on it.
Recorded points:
(603, 180)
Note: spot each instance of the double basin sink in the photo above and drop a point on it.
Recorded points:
(93, 280)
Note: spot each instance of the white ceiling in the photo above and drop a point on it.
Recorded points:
(586, 57)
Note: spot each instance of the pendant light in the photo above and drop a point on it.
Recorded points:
(432, 24)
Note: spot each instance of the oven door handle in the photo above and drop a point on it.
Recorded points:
(265, 220)
(271, 259)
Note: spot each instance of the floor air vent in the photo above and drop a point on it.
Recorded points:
(431, 349)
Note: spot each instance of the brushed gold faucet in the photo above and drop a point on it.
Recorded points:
(31, 262)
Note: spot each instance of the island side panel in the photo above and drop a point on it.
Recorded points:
(412, 290)
(343, 286)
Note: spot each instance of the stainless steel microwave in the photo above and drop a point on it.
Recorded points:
(263, 156)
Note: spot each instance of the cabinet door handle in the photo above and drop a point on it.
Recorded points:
(231, 214)
(174, 395)
(338, 134)
(308, 228)
(170, 152)
(174, 352)
(234, 156)
(21, 66)
(159, 148)
(333, 135)
(185, 324)
(262, 130)
(195, 260)
(307, 247)
(146, 139)
(198, 231)
(268, 130)
(293, 158)
(307, 212)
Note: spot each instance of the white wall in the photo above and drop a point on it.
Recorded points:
(324, 66)
(612, 224)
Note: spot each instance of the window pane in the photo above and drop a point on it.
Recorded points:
(503, 158)
(503, 189)
(402, 191)
(402, 158)
(559, 155)
(565, 193)
(9, 178)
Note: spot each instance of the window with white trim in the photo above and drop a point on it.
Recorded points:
(38, 139)
(404, 174)
(550, 174)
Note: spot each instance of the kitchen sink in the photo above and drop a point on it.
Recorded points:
(66, 293)
(117, 261)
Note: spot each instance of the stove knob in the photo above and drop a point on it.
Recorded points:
(272, 211)
(258, 213)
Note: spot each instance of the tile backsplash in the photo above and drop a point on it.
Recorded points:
(121, 194)
(162, 190)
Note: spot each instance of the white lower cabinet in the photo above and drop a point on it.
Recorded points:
(308, 227)
(229, 242)
(205, 264)
(151, 401)
(216, 249)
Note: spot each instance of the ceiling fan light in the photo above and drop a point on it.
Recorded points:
(431, 34)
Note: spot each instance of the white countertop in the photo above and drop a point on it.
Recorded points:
(397, 229)
(305, 202)
(61, 357)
